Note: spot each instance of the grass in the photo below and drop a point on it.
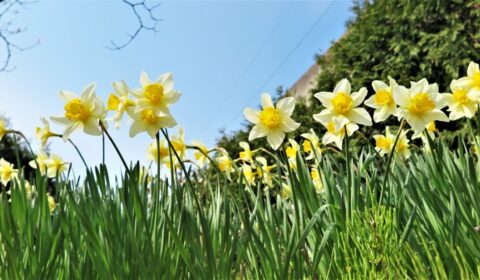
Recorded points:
(425, 226)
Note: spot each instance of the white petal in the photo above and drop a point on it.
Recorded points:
(167, 81)
(172, 97)
(144, 80)
(472, 69)
(343, 86)
(360, 116)
(67, 96)
(251, 115)
(266, 101)
(168, 121)
(60, 120)
(92, 127)
(275, 138)
(286, 105)
(70, 129)
(470, 109)
(359, 96)
(257, 132)
(401, 96)
(474, 94)
(136, 128)
(436, 115)
(88, 94)
(379, 85)
(370, 102)
(324, 116)
(325, 98)
(289, 125)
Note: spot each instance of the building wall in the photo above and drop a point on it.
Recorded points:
(301, 88)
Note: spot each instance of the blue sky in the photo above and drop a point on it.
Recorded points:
(223, 55)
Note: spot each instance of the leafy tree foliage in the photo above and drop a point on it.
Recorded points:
(407, 40)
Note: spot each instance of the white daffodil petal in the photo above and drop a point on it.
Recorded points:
(275, 138)
(343, 86)
(266, 101)
(360, 116)
(251, 115)
(286, 105)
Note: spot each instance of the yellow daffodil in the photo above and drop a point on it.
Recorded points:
(51, 203)
(403, 147)
(43, 133)
(384, 143)
(119, 102)
(200, 155)
(343, 106)
(7, 172)
(382, 101)
(311, 145)
(459, 103)
(29, 189)
(150, 121)
(334, 135)
(420, 104)
(272, 122)
(41, 159)
(471, 83)
(246, 155)
(178, 143)
(224, 162)
(82, 112)
(248, 174)
(286, 191)
(316, 180)
(291, 152)
(152, 152)
(55, 166)
(264, 171)
(3, 128)
(157, 95)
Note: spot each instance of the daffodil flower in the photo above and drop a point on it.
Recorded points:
(316, 180)
(178, 143)
(459, 103)
(311, 145)
(224, 162)
(384, 144)
(200, 156)
(82, 112)
(264, 171)
(382, 101)
(55, 166)
(471, 83)
(431, 128)
(291, 152)
(248, 174)
(150, 121)
(420, 104)
(41, 160)
(336, 135)
(51, 203)
(119, 102)
(158, 94)
(43, 133)
(7, 172)
(246, 155)
(286, 191)
(152, 151)
(343, 106)
(272, 122)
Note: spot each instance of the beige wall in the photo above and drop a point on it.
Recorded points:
(301, 88)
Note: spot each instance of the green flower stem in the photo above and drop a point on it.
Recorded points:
(370, 144)
(103, 147)
(157, 137)
(76, 148)
(390, 156)
(470, 127)
(115, 147)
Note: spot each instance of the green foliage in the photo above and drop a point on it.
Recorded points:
(426, 226)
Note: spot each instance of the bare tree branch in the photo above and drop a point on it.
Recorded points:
(146, 20)
(8, 9)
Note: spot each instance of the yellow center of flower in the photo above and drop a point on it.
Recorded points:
(307, 146)
(178, 146)
(291, 152)
(75, 110)
(113, 102)
(148, 116)
(154, 93)
(331, 129)
(431, 127)
(460, 96)
(342, 103)
(383, 97)
(420, 104)
(270, 117)
(384, 143)
(246, 155)
(315, 175)
(476, 80)
(402, 145)
(225, 165)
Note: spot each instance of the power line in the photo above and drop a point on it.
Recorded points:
(247, 68)
(281, 64)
